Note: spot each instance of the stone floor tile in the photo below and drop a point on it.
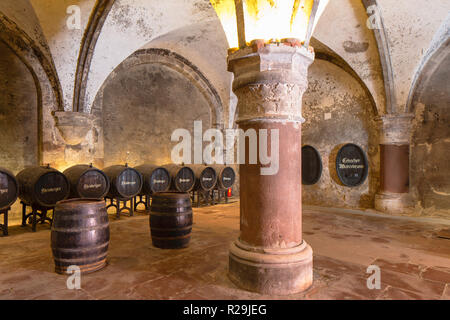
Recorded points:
(441, 274)
(414, 264)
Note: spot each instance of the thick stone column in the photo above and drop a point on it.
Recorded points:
(270, 255)
(393, 196)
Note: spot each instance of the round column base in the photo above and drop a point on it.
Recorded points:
(271, 271)
(395, 203)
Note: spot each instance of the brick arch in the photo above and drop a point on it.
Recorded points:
(181, 65)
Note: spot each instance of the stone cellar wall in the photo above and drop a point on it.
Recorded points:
(18, 113)
(134, 109)
(337, 111)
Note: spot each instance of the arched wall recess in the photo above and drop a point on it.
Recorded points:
(426, 71)
(186, 68)
(25, 47)
(48, 89)
(323, 52)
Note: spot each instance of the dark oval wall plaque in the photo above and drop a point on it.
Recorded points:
(351, 165)
(311, 165)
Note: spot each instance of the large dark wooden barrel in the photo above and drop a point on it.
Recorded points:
(80, 235)
(42, 186)
(183, 178)
(126, 182)
(205, 177)
(156, 178)
(226, 177)
(311, 165)
(9, 189)
(87, 182)
(171, 220)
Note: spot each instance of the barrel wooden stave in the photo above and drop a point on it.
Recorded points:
(311, 165)
(9, 189)
(171, 220)
(126, 182)
(152, 173)
(80, 176)
(226, 176)
(80, 235)
(42, 186)
(205, 177)
(183, 178)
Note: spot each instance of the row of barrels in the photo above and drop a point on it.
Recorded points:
(43, 186)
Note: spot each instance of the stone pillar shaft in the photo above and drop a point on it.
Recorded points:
(270, 255)
(393, 195)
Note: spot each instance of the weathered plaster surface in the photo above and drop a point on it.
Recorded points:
(337, 111)
(343, 28)
(18, 113)
(205, 46)
(410, 26)
(142, 106)
(23, 14)
(64, 43)
(430, 169)
(133, 23)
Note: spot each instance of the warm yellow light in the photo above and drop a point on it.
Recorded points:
(268, 19)
(276, 19)
(226, 10)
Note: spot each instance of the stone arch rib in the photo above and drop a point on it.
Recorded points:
(385, 59)
(31, 54)
(429, 66)
(48, 89)
(88, 43)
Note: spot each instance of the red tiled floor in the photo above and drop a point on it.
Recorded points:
(437, 274)
(414, 264)
(401, 267)
(398, 294)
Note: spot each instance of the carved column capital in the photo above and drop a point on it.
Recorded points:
(395, 128)
(73, 126)
(270, 81)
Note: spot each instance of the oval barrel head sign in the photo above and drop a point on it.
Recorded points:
(8, 191)
(129, 182)
(92, 184)
(51, 188)
(311, 165)
(351, 165)
(185, 179)
(160, 180)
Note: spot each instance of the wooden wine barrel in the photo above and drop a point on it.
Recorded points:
(311, 165)
(226, 177)
(205, 177)
(87, 182)
(80, 235)
(171, 220)
(126, 182)
(156, 178)
(183, 178)
(42, 186)
(9, 189)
